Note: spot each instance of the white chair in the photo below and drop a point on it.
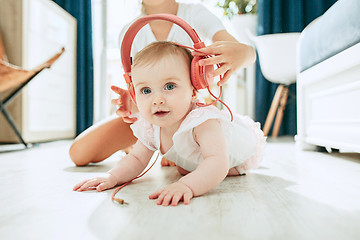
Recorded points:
(277, 57)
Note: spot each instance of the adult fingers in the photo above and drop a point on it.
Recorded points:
(213, 49)
(225, 78)
(211, 60)
(221, 70)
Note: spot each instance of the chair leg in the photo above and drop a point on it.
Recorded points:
(12, 124)
(280, 112)
(274, 105)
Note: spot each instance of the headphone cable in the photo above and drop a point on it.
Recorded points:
(121, 201)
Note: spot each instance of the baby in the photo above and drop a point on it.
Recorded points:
(202, 141)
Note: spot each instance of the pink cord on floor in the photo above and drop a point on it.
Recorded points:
(121, 201)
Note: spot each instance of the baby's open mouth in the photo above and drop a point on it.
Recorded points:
(161, 113)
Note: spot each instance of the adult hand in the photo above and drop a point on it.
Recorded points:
(98, 183)
(173, 193)
(230, 55)
(126, 106)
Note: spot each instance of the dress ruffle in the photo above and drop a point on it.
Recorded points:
(254, 160)
(144, 131)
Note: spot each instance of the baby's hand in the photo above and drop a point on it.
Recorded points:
(124, 103)
(98, 183)
(173, 193)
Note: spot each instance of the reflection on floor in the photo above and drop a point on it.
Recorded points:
(293, 195)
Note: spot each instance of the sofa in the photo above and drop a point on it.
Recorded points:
(328, 80)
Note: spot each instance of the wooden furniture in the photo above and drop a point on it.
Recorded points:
(277, 54)
(32, 31)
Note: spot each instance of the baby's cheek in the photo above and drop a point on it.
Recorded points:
(141, 104)
(144, 109)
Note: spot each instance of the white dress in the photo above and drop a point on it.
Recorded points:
(245, 140)
(199, 17)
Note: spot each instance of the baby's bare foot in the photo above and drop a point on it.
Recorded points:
(165, 163)
(234, 172)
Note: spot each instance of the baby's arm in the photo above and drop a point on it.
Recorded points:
(125, 170)
(208, 174)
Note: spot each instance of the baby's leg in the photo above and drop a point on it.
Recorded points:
(234, 172)
(182, 171)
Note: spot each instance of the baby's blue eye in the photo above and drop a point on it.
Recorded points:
(146, 90)
(169, 86)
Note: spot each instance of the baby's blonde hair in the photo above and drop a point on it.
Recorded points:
(156, 51)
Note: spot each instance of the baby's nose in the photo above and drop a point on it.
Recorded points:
(158, 100)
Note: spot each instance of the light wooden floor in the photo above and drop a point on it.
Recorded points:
(293, 195)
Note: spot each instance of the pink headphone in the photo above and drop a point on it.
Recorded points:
(199, 78)
(197, 73)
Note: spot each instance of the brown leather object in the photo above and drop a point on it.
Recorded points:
(2, 50)
(12, 76)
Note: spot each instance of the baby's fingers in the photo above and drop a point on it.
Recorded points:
(130, 120)
(166, 200)
(155, 195)
(77, 186)
(176, 198)
(187, 197)
(90, 184)
(103, 186)
(122, 112)
(116, 102)
(118, 90)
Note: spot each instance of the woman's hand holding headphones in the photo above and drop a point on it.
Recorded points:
(229, 55)
(126, 106)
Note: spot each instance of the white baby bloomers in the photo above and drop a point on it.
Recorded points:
(244, 139)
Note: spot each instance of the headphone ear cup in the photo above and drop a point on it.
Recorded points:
(199, 74)
(209, 69)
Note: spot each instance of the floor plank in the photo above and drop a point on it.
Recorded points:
(293, 195)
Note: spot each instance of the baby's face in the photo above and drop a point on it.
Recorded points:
(164, 94)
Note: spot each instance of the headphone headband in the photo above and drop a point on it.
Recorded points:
(197, 73)
(139, 23)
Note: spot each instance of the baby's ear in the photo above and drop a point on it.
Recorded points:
(194, 95)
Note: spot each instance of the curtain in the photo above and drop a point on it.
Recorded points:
(280, 16)
(81, 10)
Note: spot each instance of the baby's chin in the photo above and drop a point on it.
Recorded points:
(165, 121)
